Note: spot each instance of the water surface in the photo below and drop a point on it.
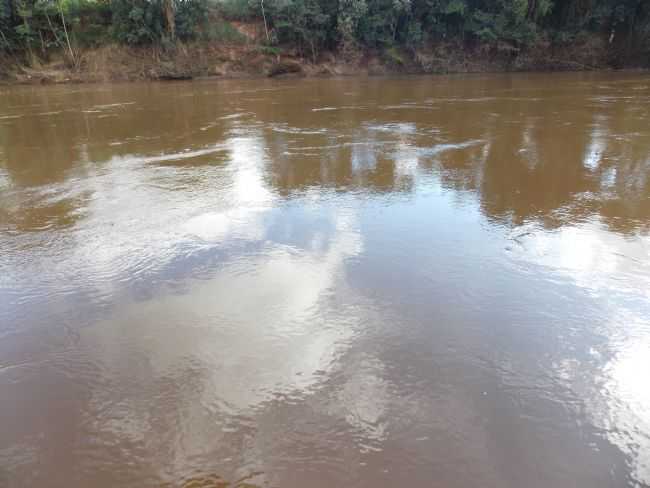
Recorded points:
(439, 282)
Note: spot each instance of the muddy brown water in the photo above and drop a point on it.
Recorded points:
(423, 282)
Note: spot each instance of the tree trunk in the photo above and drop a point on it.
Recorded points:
(168, 10)
(532, 10)
(67, 37)
(266, 28)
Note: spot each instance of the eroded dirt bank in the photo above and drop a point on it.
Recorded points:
(200, 60)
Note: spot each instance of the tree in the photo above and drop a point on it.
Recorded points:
(302, 22)
(6, 22)
(349, 16)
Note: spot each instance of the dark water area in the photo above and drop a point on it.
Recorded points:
(439, 282)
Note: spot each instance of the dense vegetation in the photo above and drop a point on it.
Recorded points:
(36, 26)
(335, 24)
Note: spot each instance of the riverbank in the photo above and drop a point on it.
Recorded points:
(119, 63)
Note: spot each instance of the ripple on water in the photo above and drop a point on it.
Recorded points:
(392, 288)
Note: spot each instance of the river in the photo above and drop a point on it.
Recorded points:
(359, 282)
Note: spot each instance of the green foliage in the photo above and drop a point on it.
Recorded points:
(140, 22)
(190, 17)
(414, 35)
(222, 31)
(38, 23)
(42, 24)
(393, 56)
(505, 20)
(314, 25)
(379, 27)
(137, 21)
(348, 19)
(271, 50)
(458, 7)
(239, 9)
(301, 22)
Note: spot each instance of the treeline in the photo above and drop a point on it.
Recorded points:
(332, 24)
(312, 26)
(43, 24)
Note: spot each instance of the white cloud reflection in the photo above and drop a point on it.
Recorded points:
(616, 269)
(595, 258)
(624, 412)
(255, 328)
